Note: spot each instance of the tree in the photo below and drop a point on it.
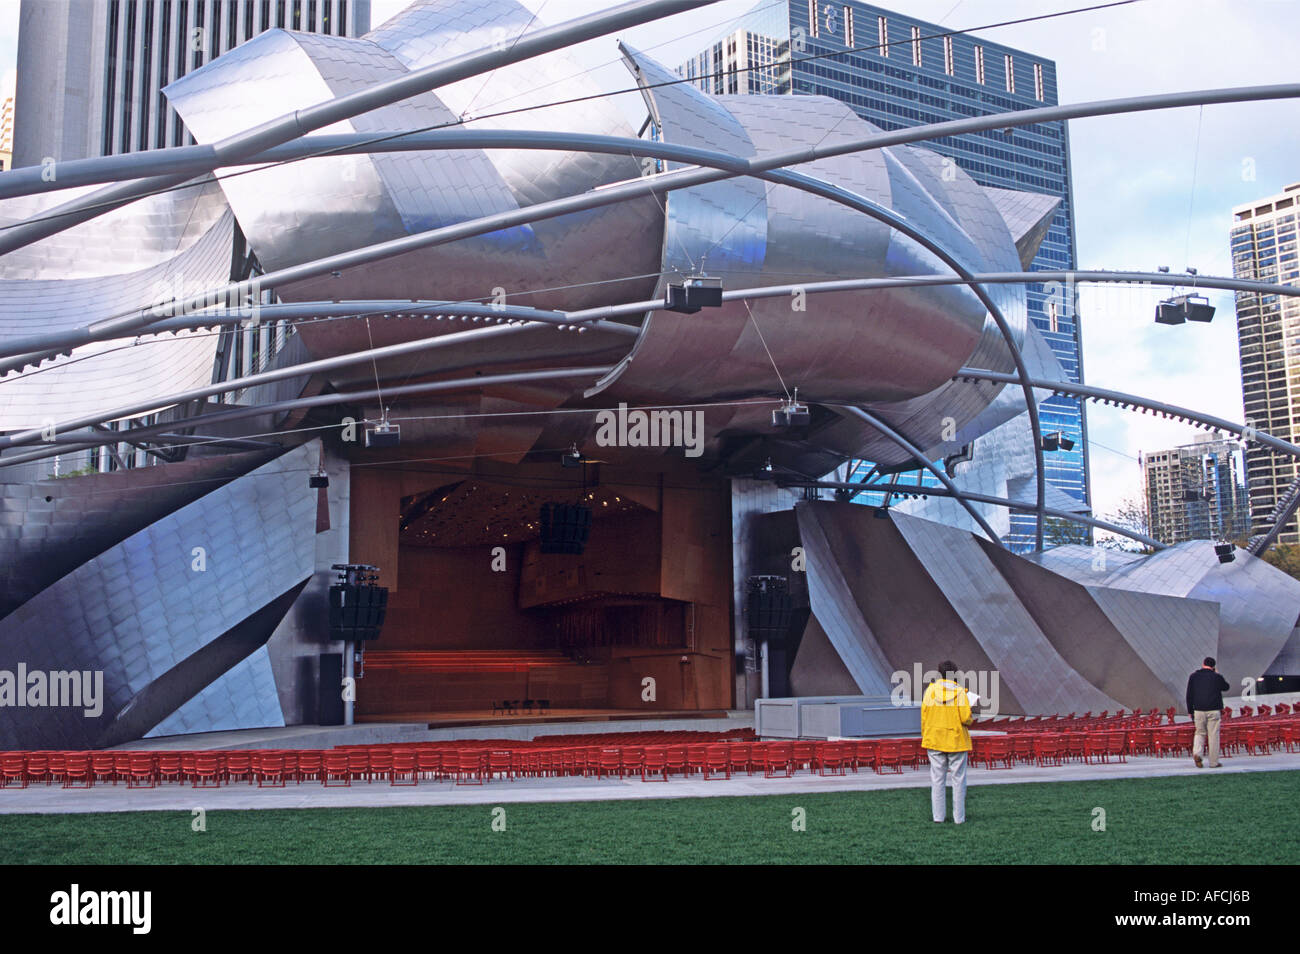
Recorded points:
(1286, 557)
(1057, 532)
(1132, 515)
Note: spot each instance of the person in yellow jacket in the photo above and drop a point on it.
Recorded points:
(945, 714)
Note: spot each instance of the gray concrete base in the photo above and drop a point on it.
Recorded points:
(41, 799)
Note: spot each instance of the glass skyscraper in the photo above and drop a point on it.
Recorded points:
(906, 72)
(1264, 237)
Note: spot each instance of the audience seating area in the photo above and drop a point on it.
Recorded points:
(654, 756)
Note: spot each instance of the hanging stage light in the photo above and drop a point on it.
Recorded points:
(384, 434)
(1180, 308)
(694, 293)
(792, 414)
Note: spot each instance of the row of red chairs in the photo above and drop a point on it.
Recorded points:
(645, 737)
(463, 764)
(473, 762)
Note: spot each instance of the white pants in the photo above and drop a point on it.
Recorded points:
(951, 765)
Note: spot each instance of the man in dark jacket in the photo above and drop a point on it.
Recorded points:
(1205, 689)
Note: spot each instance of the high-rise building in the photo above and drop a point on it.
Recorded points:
(1264, 241)
(91, 72)
(6, 133)
(1195, 492)
(906, 72)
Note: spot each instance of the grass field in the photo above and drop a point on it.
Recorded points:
(1248, 818)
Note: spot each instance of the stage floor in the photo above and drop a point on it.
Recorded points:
(487, 717)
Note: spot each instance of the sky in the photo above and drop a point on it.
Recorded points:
(1150, 189)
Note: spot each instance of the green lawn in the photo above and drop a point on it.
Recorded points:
(1198, 820)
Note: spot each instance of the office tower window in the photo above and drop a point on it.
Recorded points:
(916, 46)
(1010, 65)
(979, 64)
(111, 78)
(812, 17)
(1038, 82)
(882, 32)
(848, 27)
(948, 66)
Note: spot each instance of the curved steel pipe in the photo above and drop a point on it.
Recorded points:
(98, 439)
(236, 149)
(912, 489)
(916, 452)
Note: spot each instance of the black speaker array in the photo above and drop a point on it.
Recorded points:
(357, 611)
(565, 527)
(769, 608)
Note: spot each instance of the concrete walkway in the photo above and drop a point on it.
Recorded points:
(177, 797)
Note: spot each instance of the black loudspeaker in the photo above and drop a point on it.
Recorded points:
(329, 703)
(769, 609)
(357, 611)
(565, 527)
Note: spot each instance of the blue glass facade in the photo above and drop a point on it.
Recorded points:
(904, 72)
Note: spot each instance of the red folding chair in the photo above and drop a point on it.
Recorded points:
(58, 766)
(13, 768)
(207, 770)
(470, 765)
(834, 756)
(1048, 749)
(101, 763)
(889, 756)
(270, 770)
(77, 772)
(404, 771)
(654, 761)
(998, 753)
(609, 761)
(675, 759)
(738, 757)
(630, 760)
(169, 767)
(803, 754)
(864, 753)
(716, 759)
(38, 767)
(912, 754)
(335, 769)
(778, 756)
(142, 771)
